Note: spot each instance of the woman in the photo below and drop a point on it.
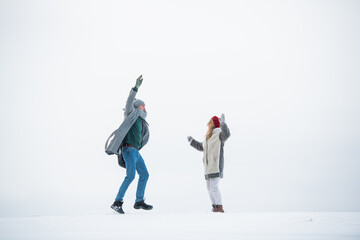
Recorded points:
(213, 148)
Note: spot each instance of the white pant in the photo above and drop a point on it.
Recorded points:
(214, 192)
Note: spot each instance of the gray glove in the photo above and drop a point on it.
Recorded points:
(190, 139)
(222, 119)
(138, 82)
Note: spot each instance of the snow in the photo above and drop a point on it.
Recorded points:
(191, 225)
(285, 73)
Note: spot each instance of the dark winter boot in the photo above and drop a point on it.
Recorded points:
(219, 208)
(117, 206)
(214, 208)
(142, 205)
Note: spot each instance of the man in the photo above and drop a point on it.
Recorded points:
(129, 138)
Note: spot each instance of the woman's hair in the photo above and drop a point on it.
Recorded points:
(210, 130)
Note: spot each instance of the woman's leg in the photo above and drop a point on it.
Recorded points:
(214, 191)
(208, 185)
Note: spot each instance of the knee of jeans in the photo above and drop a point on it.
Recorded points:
(145, 175)
(130, 177)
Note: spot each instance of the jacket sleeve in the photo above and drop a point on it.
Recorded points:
(129, 103)
(197, 145)
(225, 132)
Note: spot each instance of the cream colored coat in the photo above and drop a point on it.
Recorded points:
(211, 157)
(213, 149)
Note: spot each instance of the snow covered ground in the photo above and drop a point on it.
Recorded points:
(161, 225)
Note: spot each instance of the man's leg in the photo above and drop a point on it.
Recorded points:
(143, 178)
(130, 156)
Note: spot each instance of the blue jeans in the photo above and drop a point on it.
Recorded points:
(134, 163)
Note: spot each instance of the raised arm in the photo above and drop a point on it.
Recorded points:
(129, 103)
(225, 132)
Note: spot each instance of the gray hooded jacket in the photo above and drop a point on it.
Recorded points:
(131, 114)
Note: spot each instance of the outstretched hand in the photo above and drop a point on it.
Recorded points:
(139, 81)
(222, 118)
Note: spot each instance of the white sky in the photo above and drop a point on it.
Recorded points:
(285, 73)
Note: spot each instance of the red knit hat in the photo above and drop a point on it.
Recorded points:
(216, 121)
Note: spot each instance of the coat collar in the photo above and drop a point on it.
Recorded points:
(216, 130)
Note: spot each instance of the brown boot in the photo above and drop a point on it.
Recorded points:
(219, 208)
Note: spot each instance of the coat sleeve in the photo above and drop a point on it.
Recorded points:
(129, 103)
(225, 132)
(197, 145)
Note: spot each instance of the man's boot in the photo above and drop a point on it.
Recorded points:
(142, 205)
(117, 206)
